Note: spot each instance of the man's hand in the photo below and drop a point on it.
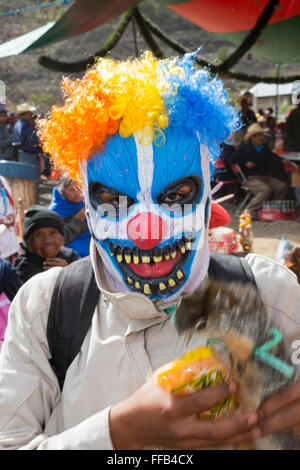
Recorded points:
(250, 164)
(52, 262)
(154, 417)
(292, 261)
(280, 411)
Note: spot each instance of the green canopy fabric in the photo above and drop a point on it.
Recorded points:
(232, 20)
(82, 16)
(22, 43)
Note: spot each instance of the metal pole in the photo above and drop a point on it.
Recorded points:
(134, 37)
(277, 93)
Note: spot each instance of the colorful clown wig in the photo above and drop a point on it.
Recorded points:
(142, 96)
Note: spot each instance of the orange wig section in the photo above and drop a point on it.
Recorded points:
(112, 97)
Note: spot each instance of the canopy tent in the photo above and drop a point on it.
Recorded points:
(267, 27)
(23, 43)
(263, 90)
(82, 16)
(233, 19)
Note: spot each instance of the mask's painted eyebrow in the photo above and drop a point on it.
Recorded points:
(192, 197)
(123, 200)
(116, 168)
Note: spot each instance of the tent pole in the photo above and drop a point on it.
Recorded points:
(277, 94)
(134, 37)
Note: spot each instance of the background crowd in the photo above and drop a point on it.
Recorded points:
(260, 156)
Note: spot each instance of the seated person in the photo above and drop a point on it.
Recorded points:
(43, 247)
(223, 170)
(68, 203)
(257, 161)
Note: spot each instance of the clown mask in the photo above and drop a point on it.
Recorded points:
(148, 210)
(140, 135)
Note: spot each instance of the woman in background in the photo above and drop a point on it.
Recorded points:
(42, 247)
(68, 203)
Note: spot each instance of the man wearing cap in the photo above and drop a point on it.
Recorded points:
(258, 163)
(6, 149)
(25, 140)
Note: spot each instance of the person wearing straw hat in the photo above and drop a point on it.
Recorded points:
(25, 140)
(258, 163)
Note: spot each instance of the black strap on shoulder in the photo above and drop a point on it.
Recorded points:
(229, 268)
(73, 303)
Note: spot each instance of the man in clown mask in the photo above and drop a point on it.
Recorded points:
(140, 136)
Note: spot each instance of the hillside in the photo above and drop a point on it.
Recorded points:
(26, 80)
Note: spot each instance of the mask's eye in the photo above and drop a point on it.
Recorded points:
(181, 193)
(107, 201)
(184, 191)
(107, 198)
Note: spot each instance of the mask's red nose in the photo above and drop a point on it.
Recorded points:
(146, 230)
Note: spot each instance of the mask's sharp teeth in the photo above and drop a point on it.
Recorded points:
(191, 238)
(157, 256)
(136, 257)
(162, 286)
(129, 280)
(181, 246)
(166, 252)
(112, 249)
(188, 244)
(146, 258)
(146, 289)
(171, 282)
(173, 252)
(137, 285)
(127, 255)
(179, 274)
(119, 255)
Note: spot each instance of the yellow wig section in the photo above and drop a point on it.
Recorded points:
(112, 96)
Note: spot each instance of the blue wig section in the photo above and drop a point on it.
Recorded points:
(197, 102)
(177, 158)
(117, 166)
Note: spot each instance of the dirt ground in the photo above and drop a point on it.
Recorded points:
(266, 234)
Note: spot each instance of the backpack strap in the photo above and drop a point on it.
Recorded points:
(229, 268)
(73, 303)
